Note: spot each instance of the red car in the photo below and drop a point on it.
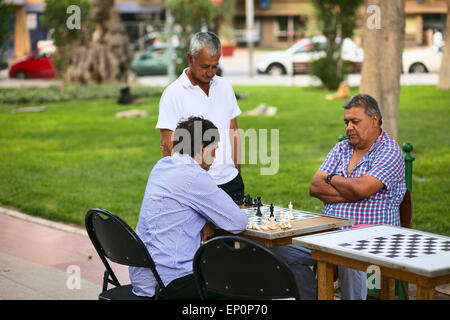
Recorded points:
(36, 65)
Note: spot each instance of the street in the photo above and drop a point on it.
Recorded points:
(236, 70)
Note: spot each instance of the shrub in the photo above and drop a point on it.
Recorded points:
(28, 95)
(326, 69)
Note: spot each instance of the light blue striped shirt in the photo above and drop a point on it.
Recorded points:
(179, 199)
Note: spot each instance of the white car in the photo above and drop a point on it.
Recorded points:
(422, 60)
(298, 57)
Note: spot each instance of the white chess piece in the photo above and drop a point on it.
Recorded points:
(273, 223)
(281, 215)
(291, 216)
(250, 223)
(288, 224)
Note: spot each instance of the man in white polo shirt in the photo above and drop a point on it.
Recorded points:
(199, 92)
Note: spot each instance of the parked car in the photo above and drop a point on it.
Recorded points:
(37, 65)
(297, 58)
(154, 61)
(422, 60)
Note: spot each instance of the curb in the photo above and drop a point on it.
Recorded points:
(44, 222)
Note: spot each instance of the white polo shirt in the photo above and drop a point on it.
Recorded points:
(182, 100)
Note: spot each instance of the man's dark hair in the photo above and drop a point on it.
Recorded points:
(369, 103)
(191, 134)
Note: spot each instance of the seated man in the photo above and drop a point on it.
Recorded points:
(180, 201)
(362, 178)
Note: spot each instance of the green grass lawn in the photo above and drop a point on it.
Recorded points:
(75, 156)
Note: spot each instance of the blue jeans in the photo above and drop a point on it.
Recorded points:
(353, 282)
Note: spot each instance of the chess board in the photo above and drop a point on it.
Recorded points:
(265, 210)
(409, 250)
(401, 245)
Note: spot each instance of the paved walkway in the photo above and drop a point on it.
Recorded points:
(41, 259)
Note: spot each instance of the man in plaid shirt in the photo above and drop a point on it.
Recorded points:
(362, 178)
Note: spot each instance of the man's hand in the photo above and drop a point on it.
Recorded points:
(323, 191)
(207, 231)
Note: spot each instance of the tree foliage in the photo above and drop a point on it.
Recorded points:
(5, 18)
(337, 21)
(55, 17)
(191, 16)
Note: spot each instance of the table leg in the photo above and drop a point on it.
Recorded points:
(387, 290)
(425, 292)
(325, 281)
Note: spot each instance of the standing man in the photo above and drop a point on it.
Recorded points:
(198, 91)
(362, 178)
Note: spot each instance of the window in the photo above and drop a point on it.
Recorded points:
(289, 28)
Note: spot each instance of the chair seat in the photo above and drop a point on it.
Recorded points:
(121, 293)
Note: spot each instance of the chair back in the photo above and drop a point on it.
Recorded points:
(115, 240)
(238, 268)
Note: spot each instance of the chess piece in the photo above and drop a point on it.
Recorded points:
(248, 201)
(259, 200)
(258, 210)
(291, 215)
(250, 223)
(288, 224)
(271, 210)
(282, 215)
(282, 224)
(272, 223)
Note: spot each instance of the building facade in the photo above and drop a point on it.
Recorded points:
(27, 29)
(278, 23)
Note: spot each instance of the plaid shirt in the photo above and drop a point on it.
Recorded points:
(383, 161)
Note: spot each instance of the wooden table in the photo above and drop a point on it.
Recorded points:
(419, 257)
(278, 237)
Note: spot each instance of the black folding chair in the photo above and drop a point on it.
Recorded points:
(115, 240)
(232, 267)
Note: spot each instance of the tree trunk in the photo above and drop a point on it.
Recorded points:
(383, 49)
(444, 75)
(105, 53)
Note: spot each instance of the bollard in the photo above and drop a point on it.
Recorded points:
(407, 148)
(342, 138)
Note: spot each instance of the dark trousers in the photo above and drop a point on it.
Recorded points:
(235, 189)
(183, 288)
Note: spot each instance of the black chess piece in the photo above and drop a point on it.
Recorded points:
(271, 210)
(259, 200)
(258, 210)
(248, 202)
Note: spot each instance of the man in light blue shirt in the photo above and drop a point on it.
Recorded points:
(180, 206)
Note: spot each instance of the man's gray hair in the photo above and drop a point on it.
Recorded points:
(205, 40)
(369, 103)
